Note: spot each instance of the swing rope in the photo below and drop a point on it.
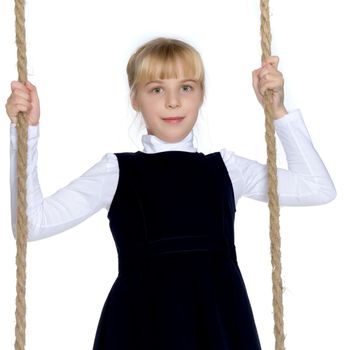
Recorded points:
(22, 149)
(275, 237)
(21, 221)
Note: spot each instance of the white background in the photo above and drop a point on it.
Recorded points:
(77, 56)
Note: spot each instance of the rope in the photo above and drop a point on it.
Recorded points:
(21, 224)
(272, 187)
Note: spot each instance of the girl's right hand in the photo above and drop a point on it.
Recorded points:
(24, 98)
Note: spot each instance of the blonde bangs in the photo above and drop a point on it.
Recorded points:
(164, 58)
(167, 67)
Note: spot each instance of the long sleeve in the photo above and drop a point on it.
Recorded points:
(306, 182)
(70, 205)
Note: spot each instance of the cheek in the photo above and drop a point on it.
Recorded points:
(149, 106)
(153, 109)
(194, 103)
(150, 112)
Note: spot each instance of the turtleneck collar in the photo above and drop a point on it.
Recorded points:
(153, 144)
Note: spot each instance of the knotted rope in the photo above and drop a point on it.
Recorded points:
(21, 224)
(273, 203)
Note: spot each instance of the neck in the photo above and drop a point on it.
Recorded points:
(153, 144)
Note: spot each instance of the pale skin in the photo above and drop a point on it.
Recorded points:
(167, 97)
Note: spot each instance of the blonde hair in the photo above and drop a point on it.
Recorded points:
(159, 59)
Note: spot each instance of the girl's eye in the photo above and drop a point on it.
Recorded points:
(187, 88)
(156, 88)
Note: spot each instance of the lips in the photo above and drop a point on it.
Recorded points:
(173, 118)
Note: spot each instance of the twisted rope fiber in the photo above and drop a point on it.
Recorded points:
(273, 203)
(21, 224)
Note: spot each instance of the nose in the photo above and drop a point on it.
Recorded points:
(173, 101)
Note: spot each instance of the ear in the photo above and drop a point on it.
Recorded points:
(134, 103)
(202, 99)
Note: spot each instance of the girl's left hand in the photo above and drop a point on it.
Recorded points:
(268, 77)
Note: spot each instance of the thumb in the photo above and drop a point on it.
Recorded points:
(32, 90)
(29, 85)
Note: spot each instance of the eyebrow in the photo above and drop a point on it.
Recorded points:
(181, 81)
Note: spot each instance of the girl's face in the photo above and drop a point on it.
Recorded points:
(162, 98)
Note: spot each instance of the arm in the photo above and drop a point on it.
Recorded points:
(306, 182)
(70, 205)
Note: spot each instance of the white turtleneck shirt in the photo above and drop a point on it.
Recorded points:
(306, 182)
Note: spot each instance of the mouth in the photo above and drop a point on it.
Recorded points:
(174, 117)
(173, 120)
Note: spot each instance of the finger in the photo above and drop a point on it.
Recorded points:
(269, 73)
(21, 94)
(259, 73)
(270, 77)
(23, 107)
(278, 79)
(271, 60)
(14, 110)
(15, 105)
(30, 86)
(23, 103)
(264, 70)
(269, 67)
(33, 92)
(265, 76)
(255, 80)
(256, 72)
(272, 85)
(18, 85)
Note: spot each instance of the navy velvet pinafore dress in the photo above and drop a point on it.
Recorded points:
(178, 286)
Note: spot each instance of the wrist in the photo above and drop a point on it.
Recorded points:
(280, 113)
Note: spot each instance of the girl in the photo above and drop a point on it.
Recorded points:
(171, 208)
